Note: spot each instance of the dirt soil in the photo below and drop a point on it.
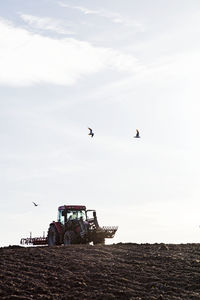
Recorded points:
(119, 271)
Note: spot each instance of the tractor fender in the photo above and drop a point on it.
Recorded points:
(58, 226)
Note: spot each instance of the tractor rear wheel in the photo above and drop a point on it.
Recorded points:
(70, 238)
(53, 236)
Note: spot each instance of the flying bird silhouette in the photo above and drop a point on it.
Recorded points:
(137, 134)
(35, 204)
(91, 132)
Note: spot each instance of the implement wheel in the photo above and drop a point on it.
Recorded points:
(53, 236)
(99, 241)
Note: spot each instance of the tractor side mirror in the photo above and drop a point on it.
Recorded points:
(94, 214)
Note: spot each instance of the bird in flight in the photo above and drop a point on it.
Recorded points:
(91, 132)
(35, 204)
(137, 134)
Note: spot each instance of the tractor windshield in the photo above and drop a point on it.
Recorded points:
(76, 214)
(61, 217)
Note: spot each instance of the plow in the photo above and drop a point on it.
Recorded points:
(36, 241)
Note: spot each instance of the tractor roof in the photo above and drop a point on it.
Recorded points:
(72, 207)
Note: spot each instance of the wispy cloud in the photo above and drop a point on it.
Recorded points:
(112, 16)
(46, 24)
(28, 58)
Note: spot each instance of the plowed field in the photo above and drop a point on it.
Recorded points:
(119, 271)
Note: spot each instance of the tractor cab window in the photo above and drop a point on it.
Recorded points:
(76, 215)
(82, 214)
(72, 215)
(61, 217)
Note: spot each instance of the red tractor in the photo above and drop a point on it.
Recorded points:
(75, 225)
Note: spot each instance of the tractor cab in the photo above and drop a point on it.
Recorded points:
(69, 212)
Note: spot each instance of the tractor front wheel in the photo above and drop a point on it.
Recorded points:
(53, 236)
(70, 238)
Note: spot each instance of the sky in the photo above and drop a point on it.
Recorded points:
(115, 66)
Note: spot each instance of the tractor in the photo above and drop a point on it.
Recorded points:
(75, 225)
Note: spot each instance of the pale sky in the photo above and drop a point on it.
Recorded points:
(113, 66)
